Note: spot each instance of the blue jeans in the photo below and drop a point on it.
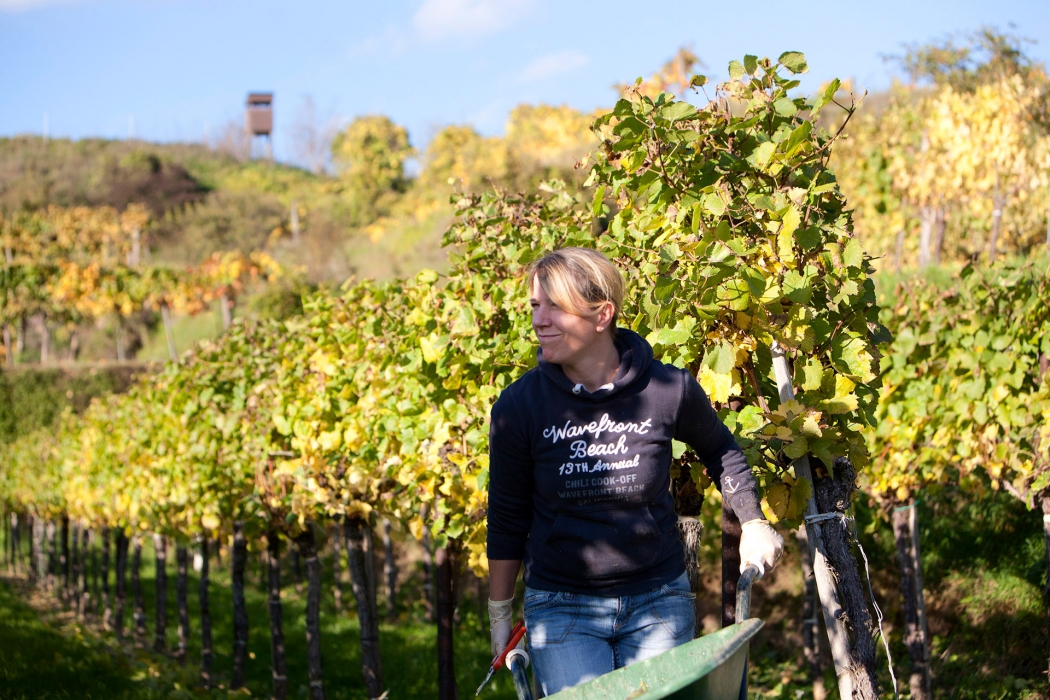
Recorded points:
(573, 638)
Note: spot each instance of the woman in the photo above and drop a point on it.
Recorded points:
(579, 484)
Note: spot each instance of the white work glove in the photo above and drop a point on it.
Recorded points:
(500, 612)
(760, 545)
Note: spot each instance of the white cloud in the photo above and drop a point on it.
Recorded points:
(440, 19)
(554, 63)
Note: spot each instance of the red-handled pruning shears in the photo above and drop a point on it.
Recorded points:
(516, 633)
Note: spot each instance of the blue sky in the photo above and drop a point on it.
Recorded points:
(177, 69)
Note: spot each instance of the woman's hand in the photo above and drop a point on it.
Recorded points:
(500, 612)
(760, 545)
(503, 574)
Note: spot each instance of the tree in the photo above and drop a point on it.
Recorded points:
(546, 142)
(233, 140)
(961, 150)
(312, 136)
(461, 154)
(965, 63)
(370, 155)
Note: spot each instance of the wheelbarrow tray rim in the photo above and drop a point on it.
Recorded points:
(717, 649)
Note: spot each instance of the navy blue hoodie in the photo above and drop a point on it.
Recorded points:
(579, 482)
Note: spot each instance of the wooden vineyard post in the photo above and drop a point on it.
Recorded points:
(810, 623)
(730, 562)
(13, 541)
(905, 532)
(17, 530)
(337, 569)
(369, 551)
(226, 308)
(264, 556)
(16, 541)
(45, 340)
(297, 570)
(390, 569)
(9, 351)
(1045, 503)
(31, 543)
(367, 613)
(74, 567)
(96, 594)
(832, 608)
(121, 355)
(9, 541)
(690, 530)
(26, 533)
(64, 560)
(293, 216)
(169, 333)
(51, 534)
(307, 545)
(428, 568)
(136, 591)
(446, 609)
(9, 552)
(106, 602)
(121, 589)
(238, 559)
(40, 548)
(25, 551)
(20, 338)
(84, 600)
(182, 600)
(279, 667)
(204, 609)
(160, 550)
(917, 554)
(17, 527)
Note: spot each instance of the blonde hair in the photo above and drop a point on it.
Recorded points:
(579, 280)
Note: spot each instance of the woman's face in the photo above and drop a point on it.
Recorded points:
(565, 338)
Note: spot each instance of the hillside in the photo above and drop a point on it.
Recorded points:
(371, 219)
(202, 200)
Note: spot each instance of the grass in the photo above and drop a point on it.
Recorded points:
(39, 659)
(94, 665)
(187, 330)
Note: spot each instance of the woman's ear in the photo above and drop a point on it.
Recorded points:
(605, 315)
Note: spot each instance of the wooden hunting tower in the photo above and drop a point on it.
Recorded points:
(258, 119)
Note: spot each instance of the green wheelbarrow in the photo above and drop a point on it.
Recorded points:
(713, 667)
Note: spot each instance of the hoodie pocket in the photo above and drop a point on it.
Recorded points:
(611, 542)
